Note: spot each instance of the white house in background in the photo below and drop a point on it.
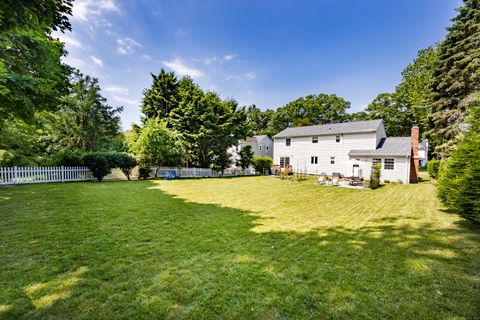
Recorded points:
(261, 145)
(349, 149)
(423, 153)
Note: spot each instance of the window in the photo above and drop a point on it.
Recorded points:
(314, 139)
(389, 164)
(288, 141)
(332, 160)
(313, 159)
(375, 161)
(260, 148)
(284, 162)
(266, 148)
(337, 138)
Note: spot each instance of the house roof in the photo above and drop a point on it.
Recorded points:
(253, 140)
(395, 146)
(334, 128)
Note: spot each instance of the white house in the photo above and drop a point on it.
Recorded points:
(349, 149)
(261, 145)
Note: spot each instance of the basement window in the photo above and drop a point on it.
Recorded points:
(389, 164)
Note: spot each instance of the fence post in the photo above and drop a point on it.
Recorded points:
(194, 174)
(15, 174)
(63, 173)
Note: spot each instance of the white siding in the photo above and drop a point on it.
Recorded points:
(400, 173)
(302, 149)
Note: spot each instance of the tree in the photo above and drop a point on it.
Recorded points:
(209, 124)
(459, 181)
(246, 157)
(221, 161)
(124, 161)
(374, 181)
(158, 145)
(32, 76)
(85, 121)
(162, 97)
(259, 120)
(263, 164)
(98, 164)
(310, 110)
(456, 78)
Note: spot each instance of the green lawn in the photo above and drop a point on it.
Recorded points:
(251, 247)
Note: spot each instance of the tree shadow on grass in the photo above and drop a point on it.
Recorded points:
(148, 254)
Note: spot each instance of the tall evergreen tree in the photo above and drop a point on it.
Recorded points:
(456, 79)
(85, 121)
(162, 97)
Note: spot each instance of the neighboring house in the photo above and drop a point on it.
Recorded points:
(423, 153)
(261, 146)
(349, 149)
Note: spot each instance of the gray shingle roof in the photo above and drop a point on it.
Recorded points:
(253, 140)
(334, 128)
(395, 146)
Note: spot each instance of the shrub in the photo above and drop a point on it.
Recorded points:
(374, 182)
(122, 160)
(262, 164)
(68, 158)
(144, 171)
(459, 179)
(433, 168)
(98, 163)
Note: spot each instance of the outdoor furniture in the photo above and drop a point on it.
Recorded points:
(169, 174)
(335, 181)
(322, 179)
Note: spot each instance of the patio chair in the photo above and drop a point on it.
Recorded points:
(166, 174)
(322, 179)
(335, 180)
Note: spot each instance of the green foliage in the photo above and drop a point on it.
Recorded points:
(459, 179)
(32, 76)
(98, 163)
(434, 168)
(124, 161)
(19, 144)
(158, 145)
(208, 123)
(246, 157)
(85, 122)
(374, 181)
(68, 158)
(144, 171)
(263, 165)
(260, 120)
(221, 161)
(456, 78)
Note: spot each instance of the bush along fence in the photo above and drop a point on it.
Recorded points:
(24, 175)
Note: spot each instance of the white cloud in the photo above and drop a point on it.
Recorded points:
(182, 69)
(115, 89)
(88, 9)
(125, 100)
(250, 75)
(146, 56)
(97, 61)
(210, 60)
(74, 62)
(69, 40)
(228, 57)
(126, 45)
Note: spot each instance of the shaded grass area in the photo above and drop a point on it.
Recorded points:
(251, 247)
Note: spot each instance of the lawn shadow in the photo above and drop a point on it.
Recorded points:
(154, 255)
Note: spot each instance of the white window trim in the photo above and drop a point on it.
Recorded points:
(394, 166)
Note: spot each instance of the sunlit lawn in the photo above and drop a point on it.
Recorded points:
(234, 248)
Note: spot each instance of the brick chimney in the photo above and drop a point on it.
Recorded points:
(414, 162)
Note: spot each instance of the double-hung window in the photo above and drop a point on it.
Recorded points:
(375, 161)
(314, 139)
(337, 139)
(389, 164)
(314, 160)
(332, 160)
(284, 162)
(288, 142)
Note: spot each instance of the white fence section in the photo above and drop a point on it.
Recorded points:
(22, 175)
(167, 172)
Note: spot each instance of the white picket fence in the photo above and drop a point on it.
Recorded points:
(166, 172)
(23, 175)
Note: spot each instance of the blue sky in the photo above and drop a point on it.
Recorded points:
(258, 52)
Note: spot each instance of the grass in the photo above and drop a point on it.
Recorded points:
(250, 247)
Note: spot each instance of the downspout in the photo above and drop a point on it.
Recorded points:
(407, 180)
